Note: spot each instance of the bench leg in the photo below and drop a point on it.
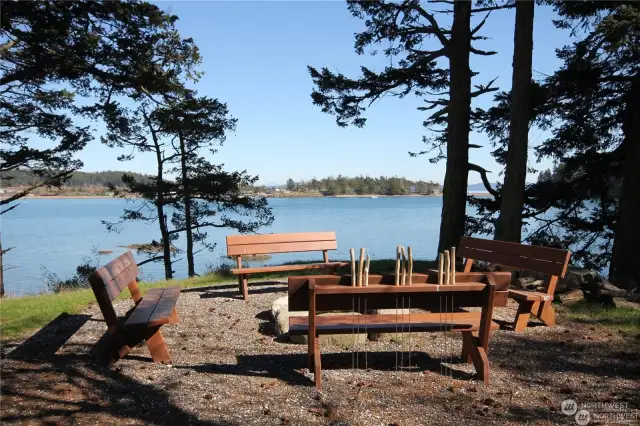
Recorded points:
(111, 347)
(478, 356)
(466, 347)
(242, 283)
(310, 352)
(157, 346)
(317, 369)
(174, 318)
(522, 316)
(546, 314)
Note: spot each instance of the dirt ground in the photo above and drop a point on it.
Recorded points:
(229, 369)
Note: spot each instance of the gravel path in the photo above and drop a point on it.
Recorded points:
(229, 369)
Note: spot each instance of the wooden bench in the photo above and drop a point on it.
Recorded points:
(244, 245)
(550, 261)
(335, 293)
(144, 321)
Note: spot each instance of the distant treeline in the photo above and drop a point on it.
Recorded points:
(78, 179)
(362, 185)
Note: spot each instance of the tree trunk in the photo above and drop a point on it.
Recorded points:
(509, 225)
(1, 270)
(624, 271)
(187, 206)
(162, 219)
(454, 191)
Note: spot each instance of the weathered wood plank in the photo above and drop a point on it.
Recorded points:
(549, 254)
(513, 260)
(380, 323)
(282, 268)
(288, 247)
(294, 237)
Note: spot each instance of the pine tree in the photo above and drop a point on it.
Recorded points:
(509, 224)
(54, 51)
(404, 28)
(206, 195)
(590, 106)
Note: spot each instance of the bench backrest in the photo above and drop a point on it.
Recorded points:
(241, 245)
(108, 281)
(298, 292)
(551, 261)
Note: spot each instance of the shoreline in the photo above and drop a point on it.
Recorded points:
(88, 197)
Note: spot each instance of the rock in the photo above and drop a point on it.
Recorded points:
(376, 336)
(278, 305)
(528, 283)
(599, 290)
(634, 294)
(280, 313)
(575, 278)
(572, 296)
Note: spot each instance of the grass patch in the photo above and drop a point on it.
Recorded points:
(21, 315)
(620, 317)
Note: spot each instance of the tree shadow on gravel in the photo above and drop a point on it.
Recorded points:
(575, 354)
(291, 368)
(231, 291)
(42, 386)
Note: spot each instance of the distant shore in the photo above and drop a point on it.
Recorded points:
(88, 197)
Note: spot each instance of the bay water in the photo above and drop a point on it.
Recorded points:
(54, 236)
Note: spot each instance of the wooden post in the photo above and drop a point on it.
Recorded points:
(242, 281)
(397, 282)
(447, 267)
(361, 267)
(366, 272)
(312, 337)
(352, 254)
(325, 256)
(403, 267)
(440, 265)
(410, 265)
(487, 314)
(453, 265)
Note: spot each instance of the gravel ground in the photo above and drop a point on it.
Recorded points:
(229, 369)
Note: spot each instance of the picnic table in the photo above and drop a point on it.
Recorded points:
(336, 293)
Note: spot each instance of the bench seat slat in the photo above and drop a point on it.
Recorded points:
(292, 237)
(164, 308)
(531, 296)
(289, 247)
(155, 308)
(549, 254)
(381, 323)
(282, 268)
(514, 260)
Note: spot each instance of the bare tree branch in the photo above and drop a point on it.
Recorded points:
(485, 181)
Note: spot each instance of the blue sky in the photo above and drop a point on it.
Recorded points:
(255, 56)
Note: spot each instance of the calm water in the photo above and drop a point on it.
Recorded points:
(58, 234)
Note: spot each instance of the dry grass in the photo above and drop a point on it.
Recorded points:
(229, 369)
